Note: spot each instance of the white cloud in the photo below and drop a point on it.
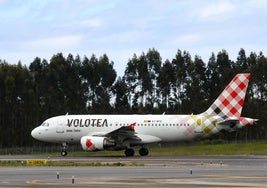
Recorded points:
(92, 23)
(185, 40)
(122, 28)
(216, 9)
(115, 39)
(54, 43)
(257, 3)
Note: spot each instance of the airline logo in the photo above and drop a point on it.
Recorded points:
(87, 122)
(231, 100)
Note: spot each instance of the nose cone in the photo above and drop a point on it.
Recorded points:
(35, 133)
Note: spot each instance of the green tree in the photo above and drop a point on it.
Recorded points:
(241, 64)
(196, 98)
(107, 76)
(131, 79)
(180, 64)
(165, 84)
(122, 105)
(98, 78)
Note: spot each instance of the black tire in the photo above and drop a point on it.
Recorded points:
(143, 151)
(64, 153)
(129, 152)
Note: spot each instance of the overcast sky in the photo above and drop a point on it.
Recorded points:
(120, 28)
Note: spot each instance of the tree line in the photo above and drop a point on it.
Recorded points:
(75, 85)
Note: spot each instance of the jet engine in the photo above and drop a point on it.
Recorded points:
(94, 143)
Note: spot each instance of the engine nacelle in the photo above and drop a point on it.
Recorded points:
(94, 143)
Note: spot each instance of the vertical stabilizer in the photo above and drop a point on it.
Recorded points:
(230, 101)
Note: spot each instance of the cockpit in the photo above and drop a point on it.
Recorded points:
(45, 124)
(40, 132)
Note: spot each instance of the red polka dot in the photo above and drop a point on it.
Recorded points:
(242, 86)
(225, 102)
(233, 111)
(241, 102)
(233, 94)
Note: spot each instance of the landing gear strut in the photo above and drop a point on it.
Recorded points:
(64, 148)
(143, 151)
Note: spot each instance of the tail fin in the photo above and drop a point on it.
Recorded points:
(230, 101)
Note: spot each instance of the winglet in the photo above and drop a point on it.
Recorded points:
(131, 126)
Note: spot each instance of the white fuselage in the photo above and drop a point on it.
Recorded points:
(168, 128)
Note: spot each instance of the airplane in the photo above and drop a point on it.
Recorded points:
(123, 132)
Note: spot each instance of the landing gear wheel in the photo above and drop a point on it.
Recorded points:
(64, 148)
(64, 153)
(143, 151)
(129, 152)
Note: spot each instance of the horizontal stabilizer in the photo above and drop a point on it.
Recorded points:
(229, 123)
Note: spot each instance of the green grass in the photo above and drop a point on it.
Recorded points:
(200, 149)
(69, 163)
(257, 148)
(220, 149)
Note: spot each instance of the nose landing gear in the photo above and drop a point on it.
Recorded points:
(64, 149)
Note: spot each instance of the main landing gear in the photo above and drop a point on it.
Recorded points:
(64, 149)
(143, 151)
(129, 152)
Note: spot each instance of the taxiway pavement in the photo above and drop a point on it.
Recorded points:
(187, 171)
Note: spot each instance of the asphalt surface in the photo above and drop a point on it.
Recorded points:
(202, 171)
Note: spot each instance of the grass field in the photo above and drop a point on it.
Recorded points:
(220, 149)
(67, 163)
(215, 149)
(199, 148)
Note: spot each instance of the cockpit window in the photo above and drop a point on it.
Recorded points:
(45, 124)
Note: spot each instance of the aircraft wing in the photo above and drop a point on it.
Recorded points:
(122, 133)
(128, 134)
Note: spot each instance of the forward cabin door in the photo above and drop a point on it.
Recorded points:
(60, 127)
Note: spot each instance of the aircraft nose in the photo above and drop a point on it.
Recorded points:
(35, 133)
